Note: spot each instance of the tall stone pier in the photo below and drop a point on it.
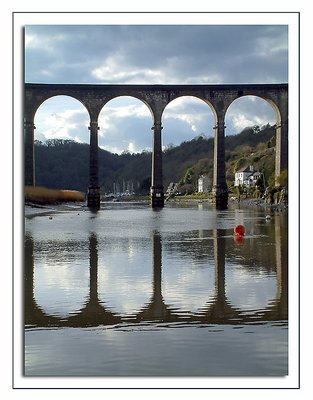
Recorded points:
(93, 195)
(29, 151)
(219, 189)
(157, 189)
(157, 97)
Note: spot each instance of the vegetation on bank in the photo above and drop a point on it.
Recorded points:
(42, 195)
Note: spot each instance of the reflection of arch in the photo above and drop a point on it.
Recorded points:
(93, 313)
(156, 309)
(216, 311)
(278, 307)
(219, 310)
(94, 97)
(33, 314)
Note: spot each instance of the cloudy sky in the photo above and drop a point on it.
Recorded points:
(154, 54)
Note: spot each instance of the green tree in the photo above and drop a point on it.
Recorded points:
(188, 176)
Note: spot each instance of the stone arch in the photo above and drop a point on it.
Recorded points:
(193, 98)
(135, 96)
(264, 99)
(192, 117)
(124, 126)
(279, 109)
(199, 96)
(33, 102)
(126, 107)
(59, 99)
(42, 100)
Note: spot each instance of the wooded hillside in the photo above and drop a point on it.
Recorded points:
(64, 164)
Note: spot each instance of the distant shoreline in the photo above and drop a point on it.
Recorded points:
(231, 202)
(34, 209)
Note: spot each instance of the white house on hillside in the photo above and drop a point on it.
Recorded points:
(203, 184)
(247, 177)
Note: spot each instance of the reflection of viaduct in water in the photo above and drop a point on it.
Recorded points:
(217, 311)
(92, 314)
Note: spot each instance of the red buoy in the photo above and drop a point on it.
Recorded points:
(239, 230)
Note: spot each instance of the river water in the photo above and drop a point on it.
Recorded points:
(131, 291)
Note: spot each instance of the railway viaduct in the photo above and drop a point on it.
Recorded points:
(157, 97)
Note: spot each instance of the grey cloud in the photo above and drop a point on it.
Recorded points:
(72, 52)
(204, 50)
(68, 52)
